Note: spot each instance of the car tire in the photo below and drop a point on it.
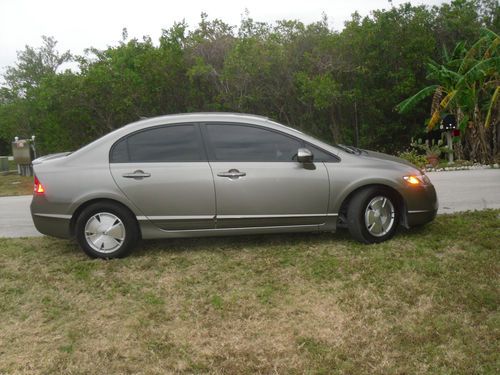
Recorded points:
(106, 230)
(373, 215)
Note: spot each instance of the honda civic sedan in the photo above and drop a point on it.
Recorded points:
(218, 174)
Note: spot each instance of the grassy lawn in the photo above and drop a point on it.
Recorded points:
(13, 184)
(425, 302)
(12, 165)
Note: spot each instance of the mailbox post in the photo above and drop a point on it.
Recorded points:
(449, 125)
(23, 151)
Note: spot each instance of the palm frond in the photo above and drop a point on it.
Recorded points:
(432, 70)
(493, 46)
(469, 56)
(494, 98)
(448, 98)
(436, 99)
(479, 70)
(458, 51)
(436, 116)
(442, 74)
(446, 55)
(487, 32)
(409, 103)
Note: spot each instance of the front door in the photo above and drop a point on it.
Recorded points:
(257, 182)
(164, 172)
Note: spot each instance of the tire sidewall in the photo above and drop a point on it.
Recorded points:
(358, 218)
(129, 222)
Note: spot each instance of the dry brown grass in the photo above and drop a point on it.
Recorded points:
(426, 302)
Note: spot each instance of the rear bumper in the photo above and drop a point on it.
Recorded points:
(50, 218)
(52, 225)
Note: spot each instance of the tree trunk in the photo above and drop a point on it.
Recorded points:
(477, 140)
(334, 127)
(356, 126)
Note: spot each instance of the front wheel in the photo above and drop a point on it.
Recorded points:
(372, 215)
(106, 230)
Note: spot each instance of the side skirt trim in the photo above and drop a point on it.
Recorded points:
(55, 216)
(208, 217)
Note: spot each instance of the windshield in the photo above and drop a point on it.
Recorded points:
(349, 149)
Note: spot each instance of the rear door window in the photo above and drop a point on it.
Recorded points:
(173, 143)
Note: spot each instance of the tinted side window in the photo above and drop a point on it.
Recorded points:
(163, 144)
(248, 143)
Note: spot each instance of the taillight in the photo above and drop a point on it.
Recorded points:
(38, 187)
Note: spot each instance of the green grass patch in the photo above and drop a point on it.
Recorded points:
(425, 302)
(13, 184)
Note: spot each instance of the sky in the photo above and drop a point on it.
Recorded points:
(77, 25)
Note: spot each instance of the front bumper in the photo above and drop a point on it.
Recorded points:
(421, 205)
(414, 219)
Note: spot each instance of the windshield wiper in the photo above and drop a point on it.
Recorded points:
(351, 149)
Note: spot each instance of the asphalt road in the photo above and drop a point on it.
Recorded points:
(457, 191)
(467, 190)
(15, 218)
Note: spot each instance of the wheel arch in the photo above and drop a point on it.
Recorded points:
(89, 202)
(400, 202)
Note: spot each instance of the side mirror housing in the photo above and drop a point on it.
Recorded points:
(305, 156)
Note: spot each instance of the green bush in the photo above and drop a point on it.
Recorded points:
(414, 157)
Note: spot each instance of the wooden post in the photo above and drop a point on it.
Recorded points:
(449, 141)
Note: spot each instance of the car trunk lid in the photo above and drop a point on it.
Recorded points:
(45, 158)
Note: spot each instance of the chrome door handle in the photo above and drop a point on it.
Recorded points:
(232, 174)
(138, 175)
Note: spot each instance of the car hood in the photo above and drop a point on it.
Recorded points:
(379, 156)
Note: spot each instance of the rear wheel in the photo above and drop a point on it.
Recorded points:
(106, 230)
(372, 215)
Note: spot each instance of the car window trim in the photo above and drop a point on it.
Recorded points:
(211, 153)
(196, 125)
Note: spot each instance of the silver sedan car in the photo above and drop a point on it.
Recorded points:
(217, 174)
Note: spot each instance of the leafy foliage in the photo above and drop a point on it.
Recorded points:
(469, 78)
(414, 157)
(339, 86)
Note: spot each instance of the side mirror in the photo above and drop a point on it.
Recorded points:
(305, 156)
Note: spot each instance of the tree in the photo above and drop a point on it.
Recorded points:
(34, 64)
(466, 84)
(340, 86)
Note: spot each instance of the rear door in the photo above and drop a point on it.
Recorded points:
(257, 182)
(165, 173)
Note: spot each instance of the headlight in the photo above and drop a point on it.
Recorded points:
(417, 180)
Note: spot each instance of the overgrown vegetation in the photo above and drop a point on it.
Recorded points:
(339, 86)
(424, 302)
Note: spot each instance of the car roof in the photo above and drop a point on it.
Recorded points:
(201, 116)
(227, 117)
(178, 119)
